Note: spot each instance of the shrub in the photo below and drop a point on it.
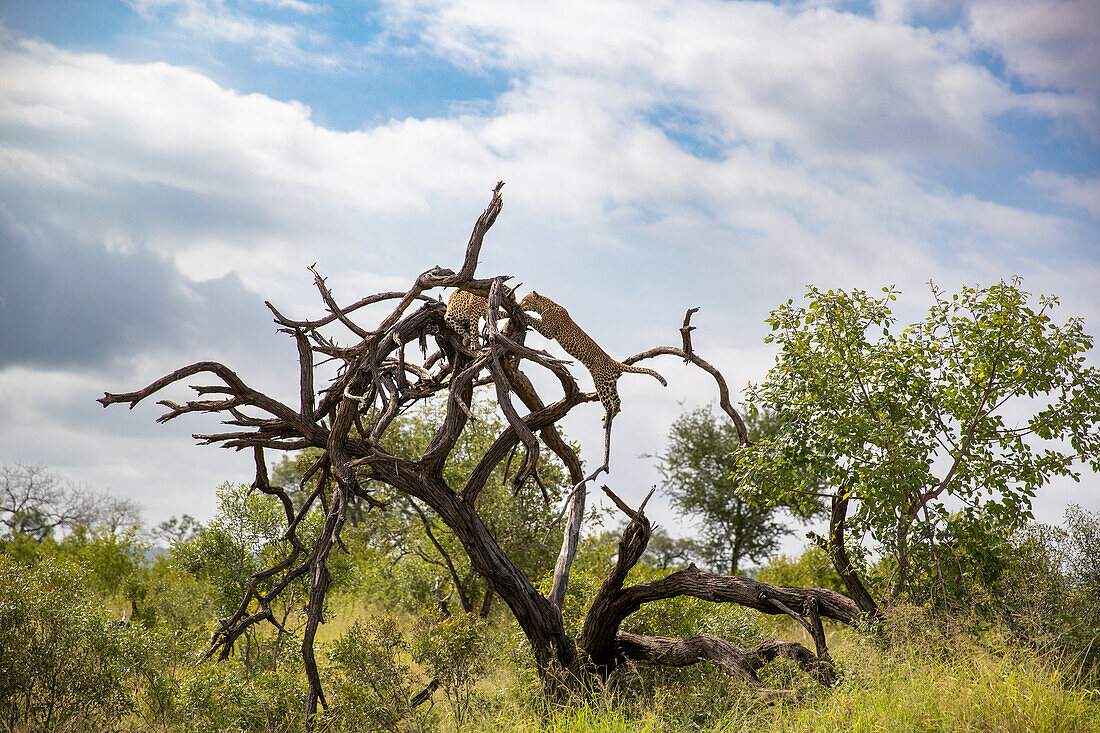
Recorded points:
(219, 698)
(813, 568)
(371, 685)
(111, 558)
(451, 648)
(64, 666)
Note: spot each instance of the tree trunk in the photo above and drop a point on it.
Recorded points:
(604, 644)
(735, 661)
(841, 562)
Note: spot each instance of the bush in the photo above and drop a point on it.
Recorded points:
(813, 568)
(64, 666)
(1050, 593)
(371, 685)
(111, 558)
(219, 698)
(451, 648)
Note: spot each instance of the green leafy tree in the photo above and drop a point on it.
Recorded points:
(666, 551)
(697, 465)
(176, 529)
(231, 547)
(976, 406)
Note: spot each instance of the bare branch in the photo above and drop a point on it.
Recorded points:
(685, 333)
(504, 399)
(326, 295)
(723, 389)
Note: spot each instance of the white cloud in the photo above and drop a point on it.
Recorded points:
(834, 83)
(300, 6)
(1083, 194)
(283, 44)
(1050, 43)
(158, 157)
(175, 163)
(160, 468)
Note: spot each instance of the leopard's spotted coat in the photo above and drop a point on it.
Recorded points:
(464, 312)
(555, 323)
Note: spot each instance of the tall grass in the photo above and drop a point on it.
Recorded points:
(911, 679)
(977, 691)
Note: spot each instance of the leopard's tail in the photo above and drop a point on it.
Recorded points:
(640, 370)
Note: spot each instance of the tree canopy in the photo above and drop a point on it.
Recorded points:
(970, 410)
(37, 502)
(699, 468)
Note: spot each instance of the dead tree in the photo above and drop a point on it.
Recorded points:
(346, 420)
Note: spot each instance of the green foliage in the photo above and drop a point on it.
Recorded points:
(177, 529)
(245, 536)
(170, 598)
(813, 568)
(451, 649)
(219, 698)
(113, 558)
(900, 422)
(696, 466)
(668, 552)
(688, 616)
(594, 558)
(25, 549)
(246, 530)
(1046, 592)
(1035, 587)
(371, 686)
(1083, 550)
(64, 666)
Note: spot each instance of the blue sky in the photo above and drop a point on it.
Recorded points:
(166, 165)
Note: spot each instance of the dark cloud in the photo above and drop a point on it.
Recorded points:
(65, 304)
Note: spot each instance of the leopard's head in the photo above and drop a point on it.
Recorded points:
(533, 302)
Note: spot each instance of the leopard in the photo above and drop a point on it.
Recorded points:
(465, 309)
(556, 324)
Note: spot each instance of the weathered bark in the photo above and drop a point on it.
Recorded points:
(604, 644)
(735, 661)
(347, 419)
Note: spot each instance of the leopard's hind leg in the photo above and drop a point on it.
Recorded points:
(609, 396)
(463, 328)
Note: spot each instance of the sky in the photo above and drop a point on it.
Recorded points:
(168, 165)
